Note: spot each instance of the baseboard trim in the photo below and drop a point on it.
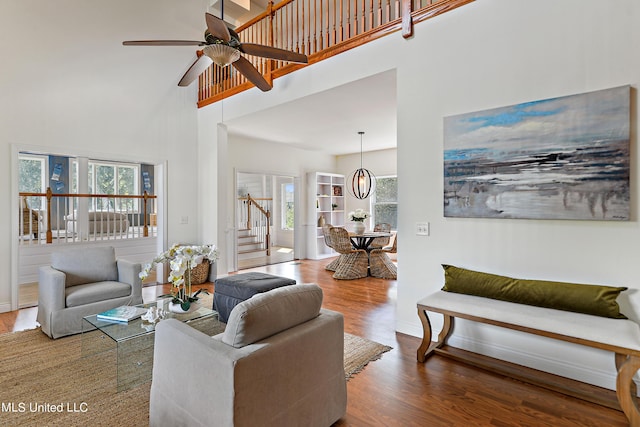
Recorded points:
(4, 308)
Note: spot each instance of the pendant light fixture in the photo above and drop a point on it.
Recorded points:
(219, 51)
(362, 182)
(221, 54)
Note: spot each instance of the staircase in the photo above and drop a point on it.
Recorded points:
(254, 225)
(249, 245)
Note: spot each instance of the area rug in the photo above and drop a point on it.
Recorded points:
(358, 352)
(47, 382)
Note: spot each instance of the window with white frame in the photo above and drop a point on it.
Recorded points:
(287, 207)
(32, 178)
(110, 178)
(384, 202)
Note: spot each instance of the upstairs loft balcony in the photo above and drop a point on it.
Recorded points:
(319, 29)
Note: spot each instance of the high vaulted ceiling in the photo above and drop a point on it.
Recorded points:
(329, 121)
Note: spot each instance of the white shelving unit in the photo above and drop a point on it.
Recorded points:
(326, 191)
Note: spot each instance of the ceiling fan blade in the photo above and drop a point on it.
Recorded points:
(251, 73)
(273, 53)
(197, 68)
(163, 43)
(217, 27)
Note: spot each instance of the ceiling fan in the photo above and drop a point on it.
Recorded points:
(222, 45)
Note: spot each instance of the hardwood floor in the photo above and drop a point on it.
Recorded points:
(397, 390)
(278, 254)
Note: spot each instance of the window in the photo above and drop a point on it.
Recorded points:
(32, 178)
(384, 202)
(110, 178)
(287, 206)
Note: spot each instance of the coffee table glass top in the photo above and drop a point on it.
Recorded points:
(123, 331)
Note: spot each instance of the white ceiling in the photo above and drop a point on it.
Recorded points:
(329, 121)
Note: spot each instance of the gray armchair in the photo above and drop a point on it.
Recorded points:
(279, 362)
(81, 282)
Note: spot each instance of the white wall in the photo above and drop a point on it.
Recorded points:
(501, 53)
(487, 54)
(68, 85)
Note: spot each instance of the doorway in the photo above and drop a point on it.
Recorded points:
(265, 219)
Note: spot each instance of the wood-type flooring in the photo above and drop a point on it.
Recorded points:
(397, 390)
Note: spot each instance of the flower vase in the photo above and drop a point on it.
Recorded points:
(359, 228)
(177, 308)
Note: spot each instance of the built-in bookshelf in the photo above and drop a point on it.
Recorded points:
(326, 191)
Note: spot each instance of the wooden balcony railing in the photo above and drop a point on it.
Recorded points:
(67, 218)
(320, 29)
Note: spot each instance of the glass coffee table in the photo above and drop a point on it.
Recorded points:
(133, 341)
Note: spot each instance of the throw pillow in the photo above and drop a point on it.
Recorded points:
(86, 265)
(268, 313)
(588, 299)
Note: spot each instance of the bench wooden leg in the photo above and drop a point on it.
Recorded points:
(626, 388)
(427, 347)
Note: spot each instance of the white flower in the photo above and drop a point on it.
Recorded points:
(180, 259)
(358, 215)
(145, 271)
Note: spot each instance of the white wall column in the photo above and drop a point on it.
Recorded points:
(82, 213)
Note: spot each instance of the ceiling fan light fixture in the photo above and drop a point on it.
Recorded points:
(221, 54)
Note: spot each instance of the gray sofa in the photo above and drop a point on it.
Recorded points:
(100, 222)
(279, 362)
(81, 282)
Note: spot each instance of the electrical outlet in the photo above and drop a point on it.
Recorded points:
(422, 228)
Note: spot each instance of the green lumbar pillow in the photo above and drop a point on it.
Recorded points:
(588, 299)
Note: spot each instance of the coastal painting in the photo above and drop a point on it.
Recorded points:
(560, 158)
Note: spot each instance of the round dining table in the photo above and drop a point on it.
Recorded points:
(363, 240)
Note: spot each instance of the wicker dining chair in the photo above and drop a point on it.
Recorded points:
(380, 264)
(380, 242)
(326, 231)
(353, 263)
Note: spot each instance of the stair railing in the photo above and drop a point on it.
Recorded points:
(319, 29)
(257, 219)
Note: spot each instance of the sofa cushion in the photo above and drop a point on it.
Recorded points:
(271, 312)
(86, 265)
(245, 285)
(587, 299)
(94, 292)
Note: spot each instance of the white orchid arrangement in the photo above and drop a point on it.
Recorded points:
(359, 215)
(181, 260)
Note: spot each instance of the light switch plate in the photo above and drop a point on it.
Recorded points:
(422, 228)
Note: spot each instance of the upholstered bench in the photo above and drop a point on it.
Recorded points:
(231, 290)
(613, 333)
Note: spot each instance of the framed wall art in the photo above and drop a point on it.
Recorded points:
(560, 158)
